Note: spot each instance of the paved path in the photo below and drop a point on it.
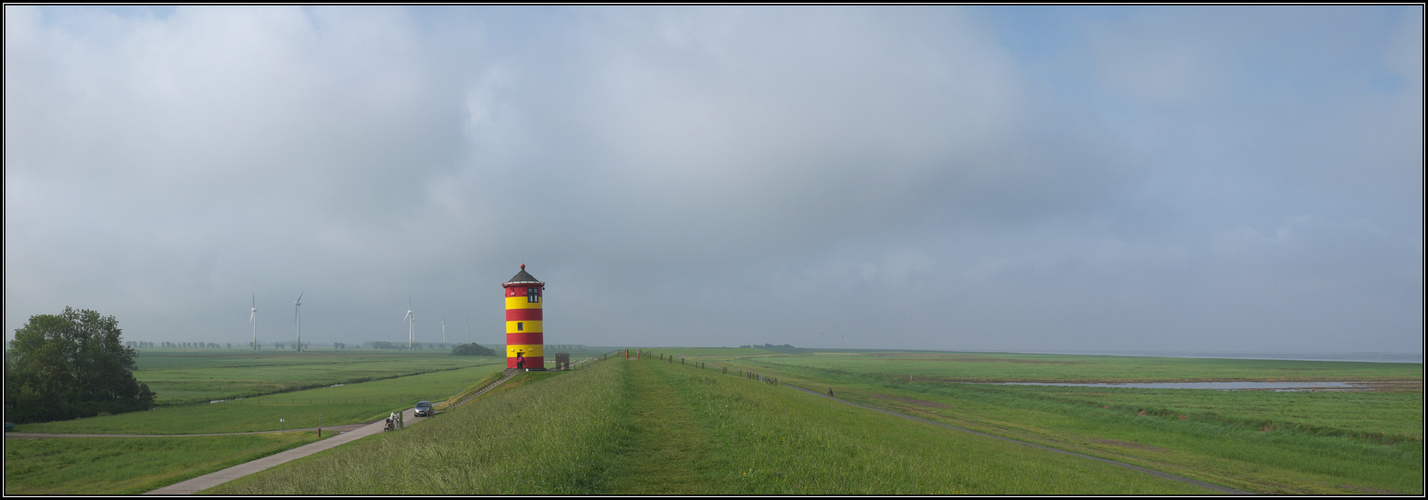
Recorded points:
(210, 480)
(1202, 484)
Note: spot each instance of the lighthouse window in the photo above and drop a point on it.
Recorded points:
(518, 326)
(532, 294)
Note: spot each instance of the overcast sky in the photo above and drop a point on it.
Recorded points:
(985, 178)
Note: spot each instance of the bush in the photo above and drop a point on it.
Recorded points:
(472, 349)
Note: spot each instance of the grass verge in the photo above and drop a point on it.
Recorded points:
(126, 466)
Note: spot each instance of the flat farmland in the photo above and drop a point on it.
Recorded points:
(200, 376)
(983, 367)
(1258, 441)
(346, 404)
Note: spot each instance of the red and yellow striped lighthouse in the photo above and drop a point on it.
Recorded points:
(524, 345)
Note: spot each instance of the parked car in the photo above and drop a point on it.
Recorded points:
(423, 409)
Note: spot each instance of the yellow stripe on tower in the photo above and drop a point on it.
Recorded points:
(520, 302)
(526, 327)
(531, 351)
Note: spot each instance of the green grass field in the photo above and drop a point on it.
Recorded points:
(1265, 442)
(200, 376)
(980, 367)
(654, 426)
(127, 466)
(347, 404)
(647, 427)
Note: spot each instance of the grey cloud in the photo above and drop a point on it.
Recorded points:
(717, 175)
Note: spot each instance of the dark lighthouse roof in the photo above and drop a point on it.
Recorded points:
(523, 277)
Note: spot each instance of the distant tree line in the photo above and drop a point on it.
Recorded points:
(71, 365)
(282, 345)
(472, 349)
(402, 345)
(133, 344)
(785, 349)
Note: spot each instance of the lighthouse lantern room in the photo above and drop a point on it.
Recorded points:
(524, 343)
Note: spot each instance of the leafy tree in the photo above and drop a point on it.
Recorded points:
(71, 365)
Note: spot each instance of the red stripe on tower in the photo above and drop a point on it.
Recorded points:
(523, 315)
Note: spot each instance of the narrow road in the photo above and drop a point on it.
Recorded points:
(210, 480)
(1202, 484)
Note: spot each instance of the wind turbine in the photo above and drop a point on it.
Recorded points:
(409, 319)
(253, 318)
(468, 329)
(297, 316)
(443, 332)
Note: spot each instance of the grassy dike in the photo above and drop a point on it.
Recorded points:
(537, 433)
(652, 427)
